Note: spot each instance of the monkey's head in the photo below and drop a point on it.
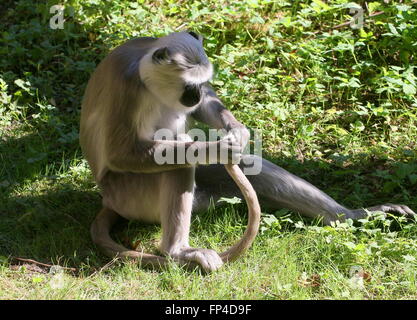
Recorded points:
(175, 70)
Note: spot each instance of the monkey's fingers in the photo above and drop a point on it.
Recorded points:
(401, 209)
(239, 136)
(230, 152)
(395, 208)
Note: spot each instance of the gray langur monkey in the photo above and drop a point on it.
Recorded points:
(152, 83)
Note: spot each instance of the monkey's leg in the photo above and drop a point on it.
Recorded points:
(277, 188)
(177, 194)
(100, 233)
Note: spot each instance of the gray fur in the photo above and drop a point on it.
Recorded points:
(276, 189)
(186, 45)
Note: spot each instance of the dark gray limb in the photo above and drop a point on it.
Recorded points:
(277, 188)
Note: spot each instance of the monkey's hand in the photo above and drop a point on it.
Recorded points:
(234, 142)
(395, 208)
(230, 150)
(238, 135)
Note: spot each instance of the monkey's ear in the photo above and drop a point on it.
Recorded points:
(161, 55)
(196, 35)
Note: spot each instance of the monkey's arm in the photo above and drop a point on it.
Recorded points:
(150, 156)
(128, 153)
(212, 112)
(147, 156)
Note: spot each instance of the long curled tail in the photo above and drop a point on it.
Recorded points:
(254, 214)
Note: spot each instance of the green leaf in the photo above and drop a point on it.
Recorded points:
(286, 21)
(323, 6)
(234, 200)
(409, 89)
(269, 219)
(351, 5)
(373, 6)
(350, 245)
(413, 178)
(37, 279)
(403, 7)
(280, 114)
(409, 258)
(253, 3)
(357, 125)
(392, 29)
(354, 83)
(25, 85)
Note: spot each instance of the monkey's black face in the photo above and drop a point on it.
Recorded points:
(191, 95)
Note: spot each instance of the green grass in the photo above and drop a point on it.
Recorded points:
(335, 106)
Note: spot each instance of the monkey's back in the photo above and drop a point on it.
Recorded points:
(117, 72)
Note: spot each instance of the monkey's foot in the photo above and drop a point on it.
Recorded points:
(388, 207)
(208, 259)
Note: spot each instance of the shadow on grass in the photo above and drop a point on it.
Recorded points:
(47, 217)
(50, 223)
(53, 228)
(50, 226)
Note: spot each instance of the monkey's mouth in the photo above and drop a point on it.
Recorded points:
(191, 95)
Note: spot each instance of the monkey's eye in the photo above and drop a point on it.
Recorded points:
(185, 66)
(161, 55)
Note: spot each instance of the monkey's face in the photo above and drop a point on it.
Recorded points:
(175, 78)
